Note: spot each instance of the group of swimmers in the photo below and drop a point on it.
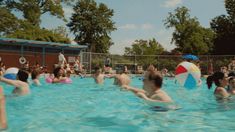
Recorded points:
(152, 83)
(225, 84)
(21, 85)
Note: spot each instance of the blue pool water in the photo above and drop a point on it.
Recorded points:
(86, 106)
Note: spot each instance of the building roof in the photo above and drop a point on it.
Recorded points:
(33, 43)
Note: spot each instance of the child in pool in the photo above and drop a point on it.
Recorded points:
(231, 87)
(122, 78)
(58, 75)
(35, 77)
(99, 75)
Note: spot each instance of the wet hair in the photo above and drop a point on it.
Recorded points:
(22, 75)
(56, 71)
(214, 78)
(34, 74)
(151, 68)
(121, 70)
(97, 69)
(231, 74)
(156, 77)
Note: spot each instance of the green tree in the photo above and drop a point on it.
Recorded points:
(30, 32)
(28, 27)
(8, 22)
(144, 47)
(33, 9)
(230, 8)
(61, 30)
(91, 24)
(224, 27)
(189, 36)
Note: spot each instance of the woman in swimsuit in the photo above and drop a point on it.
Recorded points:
(221, 81)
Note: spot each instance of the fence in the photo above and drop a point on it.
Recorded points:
(47, 60)
(91, 60)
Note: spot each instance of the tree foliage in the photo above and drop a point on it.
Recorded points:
(33, 9)
(224, 27)
(8, 22)
(61, 30)
(28, 26)
(31, 32)
(189, 36)
(91, 24)
(144, 47)
(230, 8)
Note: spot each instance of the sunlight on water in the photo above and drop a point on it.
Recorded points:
(86, 106)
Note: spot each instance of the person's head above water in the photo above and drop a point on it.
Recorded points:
(219, 78)
(35, 73)
(98, 70)
(152, 79)
(57, 72)
(231, 74)
(22, 75)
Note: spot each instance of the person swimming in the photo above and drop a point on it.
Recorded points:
(21, 84)
(221, 81)
(98, 76)
(58, 75)
(122, 78)
(152, 84)
(35, 74)
(231, 81)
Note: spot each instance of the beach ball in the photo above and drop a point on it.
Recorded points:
(11, 73)
(188, 75)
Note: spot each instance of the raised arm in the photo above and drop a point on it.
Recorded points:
(15, 83)
(3, 121)
(132, 89)
(143, 96)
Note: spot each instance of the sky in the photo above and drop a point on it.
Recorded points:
(144, 19)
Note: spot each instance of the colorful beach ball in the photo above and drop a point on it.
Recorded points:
(188, 75)
(11, 73)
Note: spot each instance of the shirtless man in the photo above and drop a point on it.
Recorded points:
(152, 88)
(21, 85)
(98, 76)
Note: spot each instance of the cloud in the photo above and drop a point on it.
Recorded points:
(128, 26)
(145, 26)
(119, 46)
(172, 3)
(164, 38)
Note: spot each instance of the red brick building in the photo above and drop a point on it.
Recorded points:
(43, 53)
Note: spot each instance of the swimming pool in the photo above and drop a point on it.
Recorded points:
(86, 106)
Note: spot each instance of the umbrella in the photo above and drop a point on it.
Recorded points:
(190, 57)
